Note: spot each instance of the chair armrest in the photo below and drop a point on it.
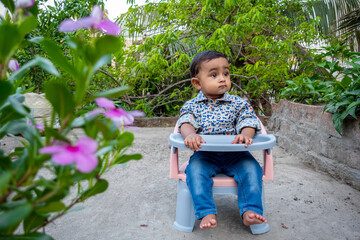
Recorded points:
(174, 163)
(268, 168)
(268, 164)
(174, 158)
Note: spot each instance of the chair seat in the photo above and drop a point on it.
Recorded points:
(220, 180)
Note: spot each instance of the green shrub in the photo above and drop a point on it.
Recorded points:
(337, 86)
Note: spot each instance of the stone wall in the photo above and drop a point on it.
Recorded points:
(155, 122)
(309, 133)
(39, 105)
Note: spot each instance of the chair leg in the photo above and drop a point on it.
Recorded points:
(263, 227)
(185, 216)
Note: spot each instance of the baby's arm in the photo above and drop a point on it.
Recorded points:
(246, 136)
(191, 139)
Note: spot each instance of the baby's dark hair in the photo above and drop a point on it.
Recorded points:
(202, 57)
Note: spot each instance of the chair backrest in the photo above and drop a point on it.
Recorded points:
(178, 172)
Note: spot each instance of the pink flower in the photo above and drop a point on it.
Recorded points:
(118, 115)
(25, 3)
(82, 154)
(105, 103)
(95, 112)
(13, 65)
(38, 126)
(95, 20)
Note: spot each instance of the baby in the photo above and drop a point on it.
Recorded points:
(215, 111)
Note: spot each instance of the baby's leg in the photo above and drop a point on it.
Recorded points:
(199, 174)
(248, 174)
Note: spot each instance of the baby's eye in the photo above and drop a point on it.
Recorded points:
(226, 74)
(213, 75)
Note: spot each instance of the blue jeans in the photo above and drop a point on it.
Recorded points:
(242, 166)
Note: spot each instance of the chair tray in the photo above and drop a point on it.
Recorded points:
(222, 143)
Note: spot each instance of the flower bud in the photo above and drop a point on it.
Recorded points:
(24, 3)
(13, 65)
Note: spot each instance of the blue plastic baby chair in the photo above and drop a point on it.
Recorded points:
(185, 216)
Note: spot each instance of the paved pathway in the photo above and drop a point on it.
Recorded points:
(140, 202)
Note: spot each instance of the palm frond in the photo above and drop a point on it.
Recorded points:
(350, 22)
(349, 27)
(330, 12)
(138, 22)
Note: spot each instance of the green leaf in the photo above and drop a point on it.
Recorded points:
(57, 57)
(47, 65)
(125, 140)
(15, 215)
(13, 111)
(337, 120)
(6, 89)
(51, 207)
(51, 132)
(76, 43)
(350, 110)
(78, 122)
(104, 150)
(92, 127)
(30, 236)
(9, 4)
(75, 209)
(106, 59)
(12, 204)
(18, 106)
(107, 44)
(60, 97)
(345, 82)
(10, 38)
(354, 64)
(36, 39)
(108, 130)
(27, 25)
(51, 8)
(5, 161)
(112, 93)
(32, 221)
(44, 63)
(4, 180)
(16, 123)
(125, 158)
(100, 186)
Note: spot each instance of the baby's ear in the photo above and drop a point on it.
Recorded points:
(196, 83)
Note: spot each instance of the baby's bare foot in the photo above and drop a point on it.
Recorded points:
(251, 218)
(209, 221)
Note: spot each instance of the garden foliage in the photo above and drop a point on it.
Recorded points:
(49, 18)
(66, 152)
(267, 42)
(260, 38)
(337, 86)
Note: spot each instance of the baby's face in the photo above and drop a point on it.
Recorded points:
(214, 78)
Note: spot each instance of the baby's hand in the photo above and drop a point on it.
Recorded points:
(193, 141)
(240, 138)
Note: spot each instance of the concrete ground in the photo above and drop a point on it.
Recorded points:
(140, 202)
